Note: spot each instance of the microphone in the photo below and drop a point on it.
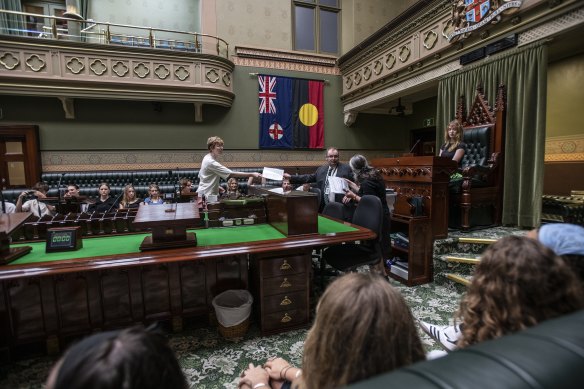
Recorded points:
(113, 204)
(415, 144)
(59, 187)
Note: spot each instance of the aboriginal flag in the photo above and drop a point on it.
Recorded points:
(291, 113)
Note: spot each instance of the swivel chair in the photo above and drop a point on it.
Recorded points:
(348, 257)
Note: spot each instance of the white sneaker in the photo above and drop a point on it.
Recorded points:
(446, 336)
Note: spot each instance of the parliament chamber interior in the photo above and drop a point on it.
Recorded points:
(138, 95)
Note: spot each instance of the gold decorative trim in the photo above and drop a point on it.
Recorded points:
(75, 65)
(430, 39)
(290, 66)
(404, 53)
(35, 63)
(572, 157)
(98, 67)
(390, 61)
(285, 56)
(367, 73)
(4, 61)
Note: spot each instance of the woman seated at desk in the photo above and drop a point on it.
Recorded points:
(155, 198)
(129, 199)
(453, 147)
(105, 202)
(232, 189)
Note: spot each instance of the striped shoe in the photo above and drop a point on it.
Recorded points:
(446, 336)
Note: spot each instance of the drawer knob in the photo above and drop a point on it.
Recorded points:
(286, 266)
(286, 301)
(285, 283)
(286, 318)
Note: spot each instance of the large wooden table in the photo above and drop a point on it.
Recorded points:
(46, 300)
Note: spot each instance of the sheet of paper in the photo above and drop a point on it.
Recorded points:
(277, 190)
(338, 184)
(273, 174)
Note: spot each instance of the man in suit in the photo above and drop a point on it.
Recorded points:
(332, 168)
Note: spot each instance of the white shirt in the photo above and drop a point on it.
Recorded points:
(209, 176)
(10, 208)
(34, 205)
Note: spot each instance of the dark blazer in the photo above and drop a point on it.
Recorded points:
(319, 177)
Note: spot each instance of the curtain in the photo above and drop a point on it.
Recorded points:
(11, 24)
(524, 73)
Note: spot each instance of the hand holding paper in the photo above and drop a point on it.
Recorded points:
(273, 174)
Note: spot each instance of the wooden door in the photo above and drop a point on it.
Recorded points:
(20, 163)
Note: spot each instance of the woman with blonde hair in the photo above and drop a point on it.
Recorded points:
(129, 199)
(363, 327)
(232, 188)
(154, 198)
(453, 147)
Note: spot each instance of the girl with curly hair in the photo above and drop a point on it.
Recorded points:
(517, 284)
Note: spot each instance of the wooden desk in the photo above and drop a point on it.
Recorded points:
(53, 298)
(168, 223)
(425, 176)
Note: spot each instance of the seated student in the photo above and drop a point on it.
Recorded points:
(105, 202)
(185, 185)
(453, 147)
(363, 327)
(7, 207)
(155, 196)
(133, 358)
(232, 188)
(129, 199)
(33, 201)
(72, 191)
(517, 284)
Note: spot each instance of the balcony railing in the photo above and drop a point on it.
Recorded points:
(89, 31)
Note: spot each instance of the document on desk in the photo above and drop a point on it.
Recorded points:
(338, 184)
(273, 174)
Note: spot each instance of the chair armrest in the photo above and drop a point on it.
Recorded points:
(481, 172)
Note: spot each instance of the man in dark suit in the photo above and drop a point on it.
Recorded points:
(332, 168)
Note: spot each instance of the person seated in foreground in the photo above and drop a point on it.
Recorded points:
(518, 283)
(105, 202)
(363, 327)
(31, 201)
(132, 358)
(129, 199)
(566, 240)
(155, 196)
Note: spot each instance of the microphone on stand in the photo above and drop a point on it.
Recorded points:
(415, 144)
(113, 204)
(59, 188)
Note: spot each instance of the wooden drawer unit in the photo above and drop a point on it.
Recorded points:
(280, 285)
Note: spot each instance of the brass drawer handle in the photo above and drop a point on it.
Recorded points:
(286, 318)
(286, 266)
(285, 283)
(286, 301)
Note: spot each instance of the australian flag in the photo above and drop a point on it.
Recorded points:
(291, 113)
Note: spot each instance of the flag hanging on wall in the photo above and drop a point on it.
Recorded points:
(291, 113)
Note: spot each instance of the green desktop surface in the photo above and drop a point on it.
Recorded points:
(127, 244)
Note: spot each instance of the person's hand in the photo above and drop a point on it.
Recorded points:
(254, 375)
(351, 184)
(286, 175)
(274, 367)
(40, 195)
(221, 190)
(348, 196)
(256, 175)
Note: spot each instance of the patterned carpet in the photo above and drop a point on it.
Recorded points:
(209, 361)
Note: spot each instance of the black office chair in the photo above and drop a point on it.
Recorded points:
(348, 257)
(319, 194)
(334, 210)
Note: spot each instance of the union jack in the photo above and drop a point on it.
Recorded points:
(267, 94)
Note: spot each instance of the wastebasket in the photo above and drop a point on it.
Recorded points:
(233, 308)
